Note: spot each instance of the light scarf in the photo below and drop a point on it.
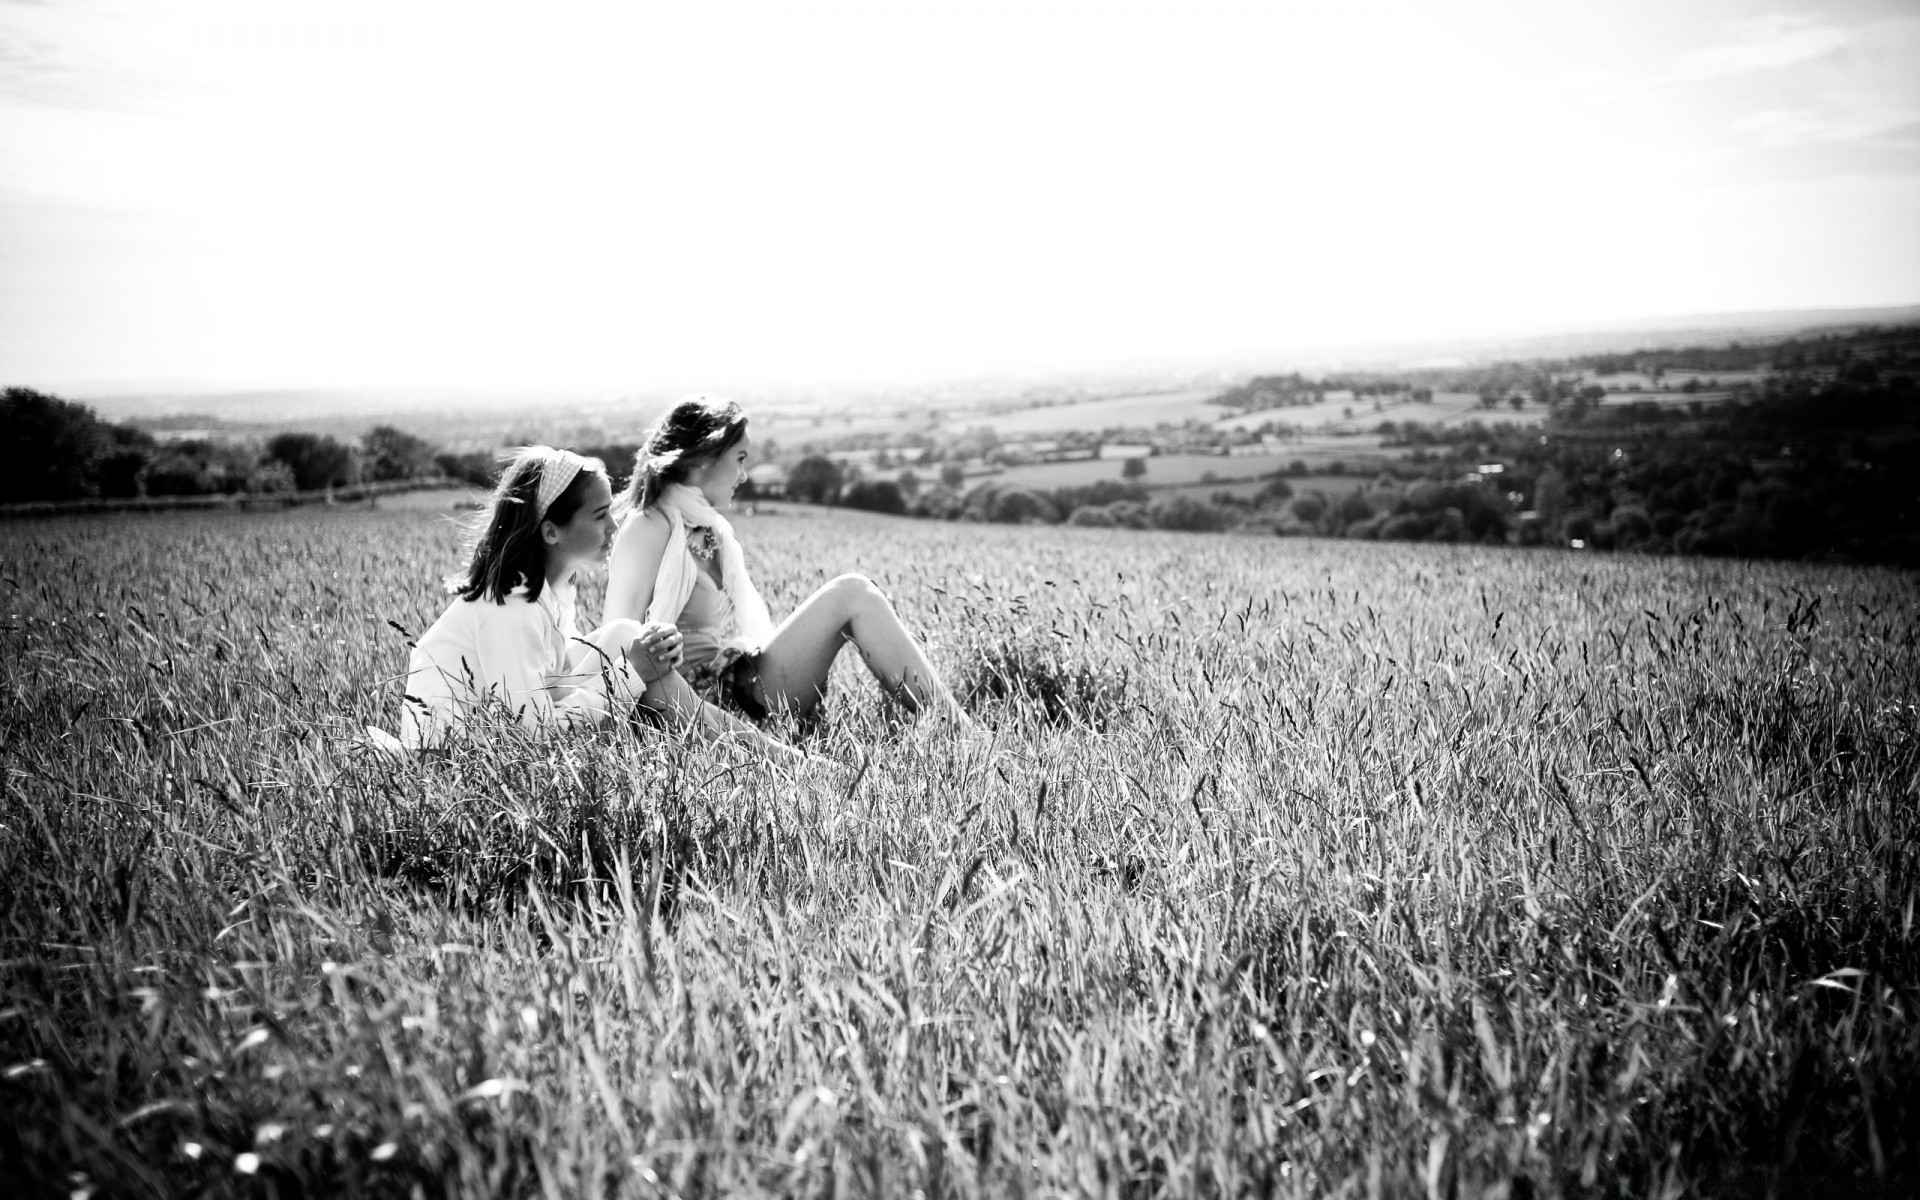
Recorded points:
(687, 508)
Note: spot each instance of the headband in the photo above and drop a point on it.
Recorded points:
(557, 470)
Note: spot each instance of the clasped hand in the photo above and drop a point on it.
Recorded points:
(656, 652)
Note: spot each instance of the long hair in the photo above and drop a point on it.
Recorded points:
(697, 430)
(508, 551)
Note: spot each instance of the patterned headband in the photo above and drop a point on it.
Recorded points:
(557, 470)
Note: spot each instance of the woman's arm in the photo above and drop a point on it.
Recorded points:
(635, 565)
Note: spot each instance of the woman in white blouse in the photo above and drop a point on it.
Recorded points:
(676, 560)
(511, 636)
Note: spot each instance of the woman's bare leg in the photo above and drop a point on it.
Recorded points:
(793, 668)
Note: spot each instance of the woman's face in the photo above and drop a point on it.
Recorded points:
(720, 476)
(587, 535)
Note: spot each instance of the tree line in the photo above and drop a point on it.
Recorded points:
(1811, 462)
(54, 449)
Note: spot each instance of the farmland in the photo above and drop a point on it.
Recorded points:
(1357, 452)
(1141, 411)
(1360, 415)
(1292, 867)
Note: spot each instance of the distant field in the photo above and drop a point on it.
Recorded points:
(1447, 408)
(1134, 411)
(1359, 452)
(1171, 468)
(790, 428)
(1635, 381)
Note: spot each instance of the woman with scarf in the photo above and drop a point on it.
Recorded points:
(676, 560)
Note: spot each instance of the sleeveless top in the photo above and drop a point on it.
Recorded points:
(704, 623)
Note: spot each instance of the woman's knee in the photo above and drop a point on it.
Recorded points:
(856, 592)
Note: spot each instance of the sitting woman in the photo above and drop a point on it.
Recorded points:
(511, 635)
(676, 560)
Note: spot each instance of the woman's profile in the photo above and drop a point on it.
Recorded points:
(677, 561)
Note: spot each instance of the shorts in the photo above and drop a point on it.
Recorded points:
(731, 686)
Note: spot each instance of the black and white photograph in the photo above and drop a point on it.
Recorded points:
(821, 598)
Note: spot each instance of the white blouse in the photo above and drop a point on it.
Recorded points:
(528, 654)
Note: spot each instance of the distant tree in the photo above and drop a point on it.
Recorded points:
(317, 461)
(1094, 516)
(1187, 514)
(1355, 507)
(1517, 401)
(814, 480)
(938, 502)
(476, 468)
(1133, 468)
(176, 471)
(1550, 495)
(875, 495)
(1630, 525)
(200, 467)
(269, 476)
(974, 443)
(49, 447)
(1098, 493)
(389, 453)
(1451, 527)
(619, 457)
(1022, 506)
(1308, 509)
(1406, 527)
(121, 472)
(953, 476)
(909, 484)
(1272, 492)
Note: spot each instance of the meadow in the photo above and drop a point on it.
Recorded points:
(1291, 867)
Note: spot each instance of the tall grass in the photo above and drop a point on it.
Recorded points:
(1292, 868)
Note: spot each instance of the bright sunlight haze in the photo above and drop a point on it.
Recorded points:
(617, 196)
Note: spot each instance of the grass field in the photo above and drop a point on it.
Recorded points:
(1295, 867)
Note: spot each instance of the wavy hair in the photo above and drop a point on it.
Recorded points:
(697, 430)
(507, 550)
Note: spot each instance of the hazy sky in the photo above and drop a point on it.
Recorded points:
(631, 195)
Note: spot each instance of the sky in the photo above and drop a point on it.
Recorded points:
(614, 197)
